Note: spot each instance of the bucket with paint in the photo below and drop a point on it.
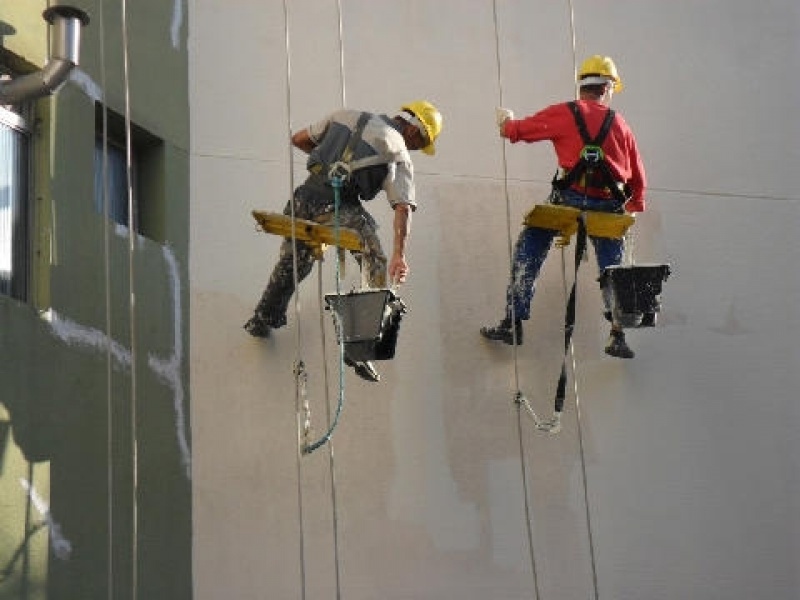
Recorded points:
(368, 322)
(635, 293)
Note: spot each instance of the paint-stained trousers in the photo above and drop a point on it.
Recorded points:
(534, 243)
(315, 202)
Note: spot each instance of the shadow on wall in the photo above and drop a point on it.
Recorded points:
(37, 405)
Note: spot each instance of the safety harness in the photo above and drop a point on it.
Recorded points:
(343, 167)
(592, 169)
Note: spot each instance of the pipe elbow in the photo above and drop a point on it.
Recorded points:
(38, 84)
(66, 23)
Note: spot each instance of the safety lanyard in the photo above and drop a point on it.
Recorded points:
(569, 317)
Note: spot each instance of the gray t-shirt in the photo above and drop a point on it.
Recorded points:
(394, 173)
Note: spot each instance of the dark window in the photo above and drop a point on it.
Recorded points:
(111, 173)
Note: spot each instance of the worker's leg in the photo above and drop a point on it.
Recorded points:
(372, 260)
(270, 312)
(530, 251)
(609, 253)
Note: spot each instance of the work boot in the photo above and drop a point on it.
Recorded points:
(364, 369)
(257, 327)
(504, 332)
(617, 346)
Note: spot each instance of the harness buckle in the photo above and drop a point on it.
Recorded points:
(592, 154)
(339, 170)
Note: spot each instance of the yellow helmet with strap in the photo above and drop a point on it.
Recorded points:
(431, 120)
(602, 67)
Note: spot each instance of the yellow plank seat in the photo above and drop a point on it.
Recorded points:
(564, 219)
(314, 234)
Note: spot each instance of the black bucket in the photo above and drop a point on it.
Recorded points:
(635, 293)
(369, 322)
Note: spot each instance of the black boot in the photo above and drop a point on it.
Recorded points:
(617, 346)
(504, 332)
(261, 324)
(257, 327)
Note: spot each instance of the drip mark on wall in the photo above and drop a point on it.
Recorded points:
(80, 78)
(168, 370)
(62, 548)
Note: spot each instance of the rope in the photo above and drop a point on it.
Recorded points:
(301, 401)
(336, 182)
(107, 277)
(518, 397)
(578, 409)
(131, 306)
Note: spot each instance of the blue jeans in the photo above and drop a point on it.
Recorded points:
(533, 245)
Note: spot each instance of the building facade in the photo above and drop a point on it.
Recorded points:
(94, 438)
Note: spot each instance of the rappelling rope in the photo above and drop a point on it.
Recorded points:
(578, 410)
(303, 409)
(518, 397)
(131, 308)
(107, 276)
(300, 375)
(336, 183)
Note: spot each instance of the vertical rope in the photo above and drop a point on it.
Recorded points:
(107, 276)
(578, 410)
(299, 370)
(341, 53)
(518, 393)
(331, 454)
(132, 234)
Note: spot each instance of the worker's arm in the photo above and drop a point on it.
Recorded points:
(398, 267)
(303, 141)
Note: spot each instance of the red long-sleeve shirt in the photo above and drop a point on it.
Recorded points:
(557, 124)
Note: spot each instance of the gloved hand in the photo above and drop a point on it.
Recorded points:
(501, 116)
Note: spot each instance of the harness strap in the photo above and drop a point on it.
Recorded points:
(380, 159)
(343, 167)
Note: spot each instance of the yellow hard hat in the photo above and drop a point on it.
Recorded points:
(602, 67)
(430, 118)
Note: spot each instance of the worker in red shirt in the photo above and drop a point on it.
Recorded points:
(576, 129)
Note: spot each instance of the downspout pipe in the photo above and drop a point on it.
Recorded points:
(65, 42)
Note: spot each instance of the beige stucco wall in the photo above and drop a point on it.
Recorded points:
(689, 450)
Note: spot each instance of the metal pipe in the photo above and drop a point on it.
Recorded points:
(65, 42)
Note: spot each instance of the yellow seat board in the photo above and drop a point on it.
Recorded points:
(308, 231)
(564, 219)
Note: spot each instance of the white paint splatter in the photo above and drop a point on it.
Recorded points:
(75, 334)
(177, 20)
(62, 547)
(89, 86)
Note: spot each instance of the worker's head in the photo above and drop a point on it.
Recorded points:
(598, 78)
(423, 124)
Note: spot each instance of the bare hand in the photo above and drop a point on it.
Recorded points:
(398, 269)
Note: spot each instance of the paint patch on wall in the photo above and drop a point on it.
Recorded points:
(177, 21)
(169, 370)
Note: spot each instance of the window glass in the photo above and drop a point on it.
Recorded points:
(14, 206)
